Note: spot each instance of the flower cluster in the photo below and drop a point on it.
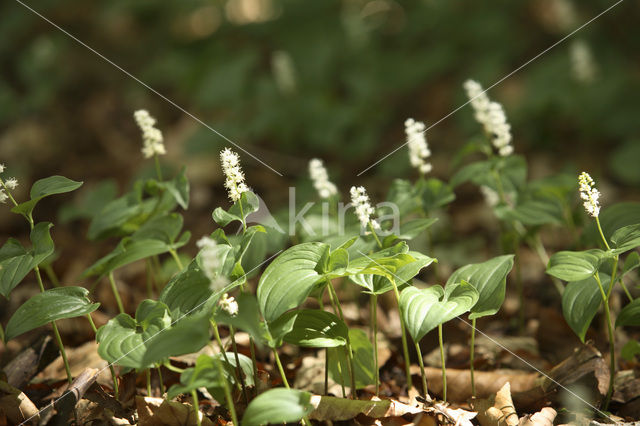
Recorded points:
(320, 179)
(418, 148)
(228, 304)
(589, 194)
(151, 137)
(492, 117)
(360, 200)
(233, 173)
(212, 262)
(9, 184)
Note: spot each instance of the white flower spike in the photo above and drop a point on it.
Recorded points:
(360, 200)
(492, 117)
(234, 181)
(210, 258)
(229, 305)
(3, 196)
(11, 183)
(418, 147)
(151, 137)
(320, 179)
(589, 194)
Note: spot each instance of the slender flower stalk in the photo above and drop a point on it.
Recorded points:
(492, 117)
(153, 142)
(234, 177)
(418, 148)
(320, 178)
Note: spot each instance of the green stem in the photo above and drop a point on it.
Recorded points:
(238, 367)
(196, 406)
(173, 368)
(254, 362)
(326, 371)
(244, 223)
(116, 294)
(374, 337)
(280, 369)
(56, 332)
(227, 393)
(405, 347)
(442, 360)
(422, 373)
(606, 244)
(48, 269)
(161, 380)
(158, 169)
(351, 367)
(148, 381)
(216, 333)
(471, 357)
(116, 391)
(373, 232)
(175, 256)
(612, 352)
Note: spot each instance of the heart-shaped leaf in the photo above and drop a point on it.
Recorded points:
(581, 301)
(630, 314)
(16, 261)
(574, 265)
(489, 278)
(278, 406)
(289, 279)
(364, 367)
(43, 188)
(626, 238)
(377, 284)
(316, 329)
(52, 305)
(424, 309)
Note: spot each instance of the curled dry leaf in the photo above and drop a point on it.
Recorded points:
(160, 412)
(457, 416)
(328, 408)
(544, 417)
(15, 406)
(498, 409)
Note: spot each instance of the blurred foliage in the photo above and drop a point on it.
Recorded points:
(289, 80)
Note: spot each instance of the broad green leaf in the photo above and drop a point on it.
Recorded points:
(178, 187)
(247, 204)
(277, 405)
(247, 318)
(626, 238)
(187, 292)
(52, 305)
(377, 284)
(472, 172)
(424, 309)
(612, 218)
(630, 314)
(16, 261)
(289, 279)
(165, 228)
(581, 301)
(630, 263)
(362, 361)
(413, 228)
(435, 193)
(574, 265)
(533, 212)
(630, 350)
(385, 262)
(43, 188)
(205, 374)
(489, 278)
(316, 329)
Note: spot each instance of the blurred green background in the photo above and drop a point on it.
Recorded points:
(291, 80)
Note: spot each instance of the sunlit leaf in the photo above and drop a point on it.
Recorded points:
(278, 405)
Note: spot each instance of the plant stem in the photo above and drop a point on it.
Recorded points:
(161, 380)
(442, 360)
(238, 367)
(374, 337)
(326, 371)
(216, 333)
(244, 223)
(158, 169)
(116, 294)
(113, 371)
(254, 362)
(148, 381)
(56, 333)
(351, 367)
(405, 348)
(471, 356)
(606, 244)
(373, 232)
(227, 393)
(612, 352)
(424, 376)
(175, 256)
(196, 406)
(48, 269)
(280, 369)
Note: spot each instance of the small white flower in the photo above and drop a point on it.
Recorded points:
(2, 167)
(151, 137)
(234, 181)
(589, 194)
(418, 147)
(360, 200)
(3, 196)
(582, 62)
(211, 261)
(491, 197)
(11, 183)
(229, 305)
(492, 117)
(320, 179)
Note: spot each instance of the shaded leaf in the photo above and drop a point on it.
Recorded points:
(581, 301)
(362, 361)
(626, 238)
(630, 314)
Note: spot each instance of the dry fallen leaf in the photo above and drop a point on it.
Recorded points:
(160, 412)
(498, 409)
(544, 417)
(80, 358)
(15, 406)
(458, 416)
(328, 408)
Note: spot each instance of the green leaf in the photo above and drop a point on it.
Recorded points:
(435, 193)
(472, 172)
(630, 263)
(278, 406)
(43, 188)
(316, 329)
(377, 284)
(630, 350)
(52, 305)
(165, 228)
(424, 309)
(581, 301)
(413, 228)
(613, 218)
(289, 279)
(489, 278)
(404, 196)
(363, 362)
(574, 265)
(247, 204)
(533, 212)
(16, 261)
(178, 187)
(384, 262)
(247, 318)
(205, 374)
(630, 314)
(187, 292)
(626, 238)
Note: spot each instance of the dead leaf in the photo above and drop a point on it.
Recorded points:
(15, 406)
(497, 410)
(328, 408)
(544, 417)
(458, 416)
(80, 358)
(161, 412)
